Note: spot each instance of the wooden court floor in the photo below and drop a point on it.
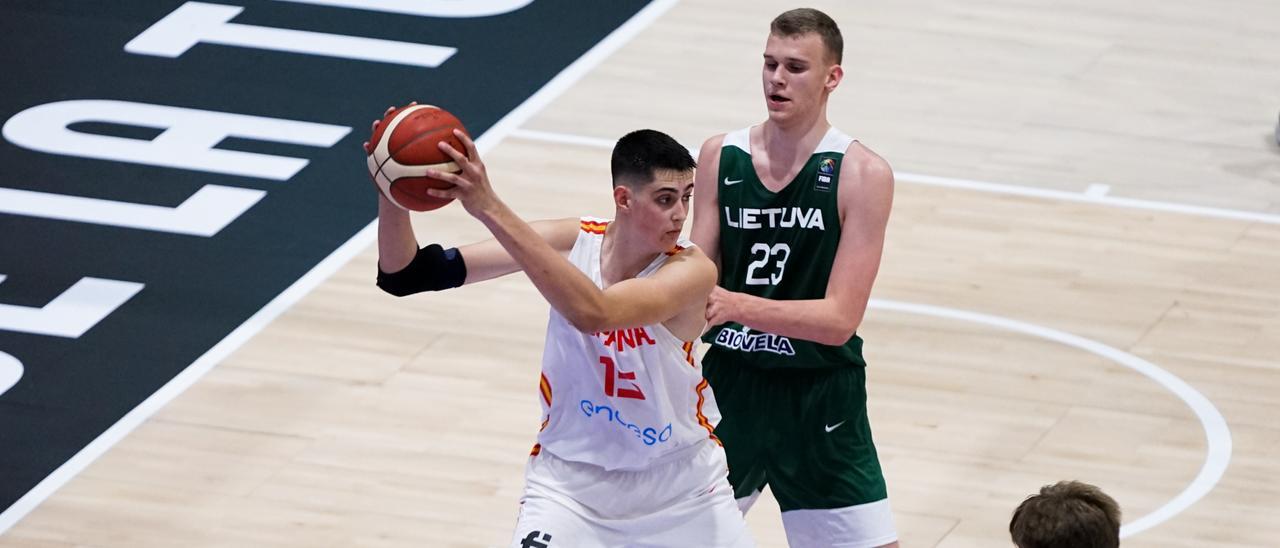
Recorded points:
(1086, 226)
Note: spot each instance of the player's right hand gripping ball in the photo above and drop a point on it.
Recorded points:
(404, 147)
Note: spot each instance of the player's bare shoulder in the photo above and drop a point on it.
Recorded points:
(691, 261)
(711, 147)
(866, 179)
(689, 265)
(863, 165)
(706, 196)
(708, 164)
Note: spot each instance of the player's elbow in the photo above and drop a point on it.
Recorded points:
(588, 322)
(838, 333)
(835, 339)
(394, 290)
(588, 316)
(433, 268)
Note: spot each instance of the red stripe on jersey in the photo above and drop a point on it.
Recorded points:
(688, 352)
(544, 386)
(702, 419)
(677, 249)
(593, 227)
(537, 448)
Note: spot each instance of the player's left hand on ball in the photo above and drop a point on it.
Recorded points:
(471, 183)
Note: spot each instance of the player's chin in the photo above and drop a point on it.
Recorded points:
(780, 113)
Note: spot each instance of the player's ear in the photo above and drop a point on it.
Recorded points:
(834, 75)
(622, 197)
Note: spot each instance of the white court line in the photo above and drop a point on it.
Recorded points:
(564, 138)
(1097, 190)
(1217, 435)
(1095, 193)
(316, 276)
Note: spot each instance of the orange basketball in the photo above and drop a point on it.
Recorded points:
(404, 147)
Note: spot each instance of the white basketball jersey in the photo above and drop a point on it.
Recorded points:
(622, 399)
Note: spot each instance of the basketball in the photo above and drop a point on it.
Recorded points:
(404, 147)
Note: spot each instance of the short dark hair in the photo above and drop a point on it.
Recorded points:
(639, 153)
(801, 21)
(1067, 514)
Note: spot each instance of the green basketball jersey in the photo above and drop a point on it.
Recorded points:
(779, 246)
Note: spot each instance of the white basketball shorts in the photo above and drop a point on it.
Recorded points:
(682, 502)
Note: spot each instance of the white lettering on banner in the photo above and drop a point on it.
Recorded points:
(196, 22)
(187, 142)
(205, 213)
(428, 8)
(10, 371)
(72, 313)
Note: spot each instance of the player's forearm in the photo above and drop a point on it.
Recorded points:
(819, 320)
(566, 288)
(396, 243)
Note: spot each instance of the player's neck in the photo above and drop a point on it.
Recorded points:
(792, 137)
(623, 254)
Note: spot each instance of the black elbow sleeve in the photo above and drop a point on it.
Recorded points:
(432, 269)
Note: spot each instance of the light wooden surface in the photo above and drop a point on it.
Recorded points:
(357, 419)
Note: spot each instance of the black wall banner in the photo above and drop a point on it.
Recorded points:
(169, 167)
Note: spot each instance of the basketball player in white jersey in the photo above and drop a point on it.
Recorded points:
(626, 454)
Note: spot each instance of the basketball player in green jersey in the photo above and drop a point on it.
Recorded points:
(794, 212)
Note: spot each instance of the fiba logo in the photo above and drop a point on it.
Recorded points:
(826, 168)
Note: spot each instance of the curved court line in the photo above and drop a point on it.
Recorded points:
(1217, 435)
